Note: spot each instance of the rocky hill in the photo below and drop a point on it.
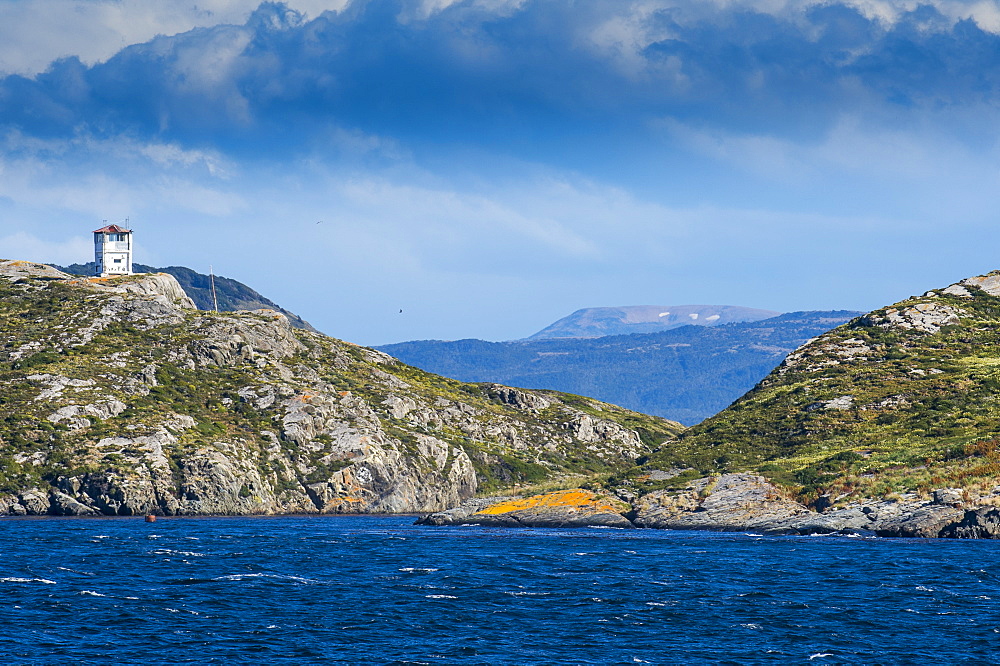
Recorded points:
(118, 397)
(887, 425)
(912, 383)
(629, 319)
(686, 374)
(231, 295)
(894, 417)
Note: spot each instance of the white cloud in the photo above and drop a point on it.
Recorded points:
(110, 179)
(986, 13)
(919, 171)
(453, 249)
(33, 33)
(27, 247)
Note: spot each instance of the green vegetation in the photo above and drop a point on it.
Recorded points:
(870, 409)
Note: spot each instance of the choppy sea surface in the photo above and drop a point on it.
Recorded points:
(380, 590)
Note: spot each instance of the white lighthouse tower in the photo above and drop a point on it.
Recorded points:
(113, 251)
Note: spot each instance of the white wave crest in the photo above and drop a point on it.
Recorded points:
(15, 579)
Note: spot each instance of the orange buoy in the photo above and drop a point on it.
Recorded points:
(150, 518)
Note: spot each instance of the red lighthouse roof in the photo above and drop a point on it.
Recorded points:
(112, 229)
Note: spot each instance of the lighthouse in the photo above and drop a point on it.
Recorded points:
(113, 251)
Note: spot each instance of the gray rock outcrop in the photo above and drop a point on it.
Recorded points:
(127, 401)
(732, 502)
(747, 502)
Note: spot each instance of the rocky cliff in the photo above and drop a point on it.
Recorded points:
(902, 399)
(118, 397)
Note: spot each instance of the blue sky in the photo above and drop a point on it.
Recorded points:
(489, 166)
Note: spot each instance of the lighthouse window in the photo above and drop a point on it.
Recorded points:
(118, 261)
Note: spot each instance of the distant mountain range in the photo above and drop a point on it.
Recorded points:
(685, 374)
(231, 294)
(625, 320)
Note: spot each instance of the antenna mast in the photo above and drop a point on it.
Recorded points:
(215, 300)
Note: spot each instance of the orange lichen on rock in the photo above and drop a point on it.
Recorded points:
(566, 499)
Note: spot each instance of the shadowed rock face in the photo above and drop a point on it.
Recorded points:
(118, 397)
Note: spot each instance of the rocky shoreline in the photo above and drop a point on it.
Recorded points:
(735, 503)
(728, 503)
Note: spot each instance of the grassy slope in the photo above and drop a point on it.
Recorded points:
(924, 413)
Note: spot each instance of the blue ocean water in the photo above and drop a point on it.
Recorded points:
(380, 590)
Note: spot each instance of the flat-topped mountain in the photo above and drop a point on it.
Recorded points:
(117, 396)
(625, 320)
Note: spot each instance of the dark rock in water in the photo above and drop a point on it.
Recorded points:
(458, 515)
(981, 523)
(926, 521)
(566, 508)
